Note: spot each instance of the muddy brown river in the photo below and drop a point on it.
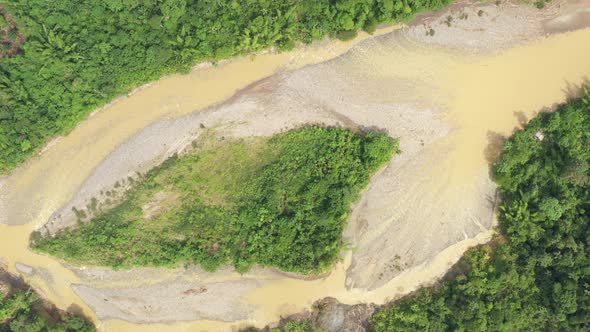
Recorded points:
(479, 97)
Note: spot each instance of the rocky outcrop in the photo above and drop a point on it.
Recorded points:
(329, 315)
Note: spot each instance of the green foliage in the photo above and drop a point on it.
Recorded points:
(541, 4)
(279, 202)
(23, 311)
(536, 277)
(347, 35)
(289, 326)
(79, 55)
(295, 326)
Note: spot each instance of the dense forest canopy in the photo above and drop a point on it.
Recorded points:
(78, 55)
(536, 274)
(281, 201)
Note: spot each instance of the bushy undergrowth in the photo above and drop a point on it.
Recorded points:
(278, 202)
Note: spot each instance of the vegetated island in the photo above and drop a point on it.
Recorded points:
(280, 201)
(77, 56)
(535, 274)
(22, 310)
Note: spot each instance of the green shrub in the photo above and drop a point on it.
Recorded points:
(295, 326)
(347, 35)
(281, 201)
(371, 25)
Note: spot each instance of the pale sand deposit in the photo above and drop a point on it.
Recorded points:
(447, 98)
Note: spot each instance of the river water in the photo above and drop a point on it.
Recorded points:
(482, 97)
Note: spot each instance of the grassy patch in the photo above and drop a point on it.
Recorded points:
(279, 201)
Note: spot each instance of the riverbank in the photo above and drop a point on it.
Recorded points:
(427, 207)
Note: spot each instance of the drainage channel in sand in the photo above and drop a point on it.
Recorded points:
(483, 98)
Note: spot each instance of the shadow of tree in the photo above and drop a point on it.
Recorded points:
(521, 118)
(494, 146)
(372, 129)
(571, 91)
(12, 281)
(496, 140)
(575, 91)
(75, 309)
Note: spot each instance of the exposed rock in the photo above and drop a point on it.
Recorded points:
(329, 315)
(24, 269)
